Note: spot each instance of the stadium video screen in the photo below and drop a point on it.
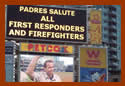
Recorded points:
(34, 69)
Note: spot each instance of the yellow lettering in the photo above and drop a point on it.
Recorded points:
(82, 29)
(43, 18)
(50, 11)
(72, 13)
(21, 8)
(17, 32)
(39, 34)
(44, 34)
(71, 36)
(11, 32)
(81, 36)
(33, 9)
(19, 24)
(76, 36)
(62, 12)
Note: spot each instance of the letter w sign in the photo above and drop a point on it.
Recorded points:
(93, 53)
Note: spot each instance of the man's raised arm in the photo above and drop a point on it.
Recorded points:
(31, 66)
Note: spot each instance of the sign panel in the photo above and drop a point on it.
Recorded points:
(46, 48)
(93, 57)
(28, 22)
(95, 30)
(93, 75)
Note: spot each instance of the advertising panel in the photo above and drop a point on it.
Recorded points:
(46, 48)
(46, 68)
(40, 23)
(93, 75)
(95, 27)
(93, 64)
(93, 57)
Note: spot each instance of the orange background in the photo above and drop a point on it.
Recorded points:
(59, 2)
